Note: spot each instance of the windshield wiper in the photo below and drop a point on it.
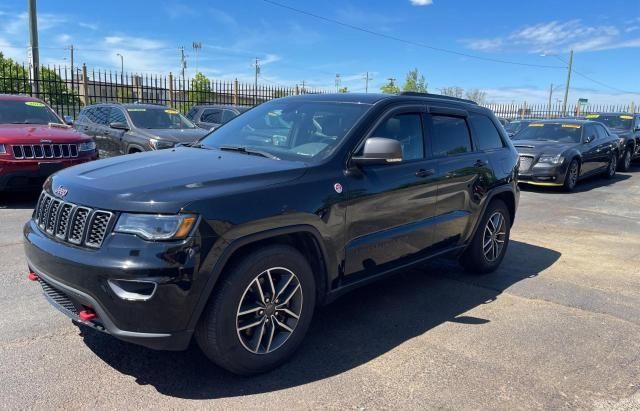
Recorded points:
(248, 150)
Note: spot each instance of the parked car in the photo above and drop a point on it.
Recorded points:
(212, 116)
(515, 126)
(131, 128)
(627, 127)
(35, 142)
(238, 238)
(561, 152)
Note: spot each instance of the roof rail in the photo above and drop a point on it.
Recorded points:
(439, 96)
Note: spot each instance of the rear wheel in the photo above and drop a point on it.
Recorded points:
(571, 178)
(612, 167)
(489, 245)
(259, 314)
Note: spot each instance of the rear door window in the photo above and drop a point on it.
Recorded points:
(450, 136)
(212, 115)
(227, 115)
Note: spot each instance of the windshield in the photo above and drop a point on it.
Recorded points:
(613, 121)
(516, 126)
(158, 118)
(294, 130)
(26, 112)
(564, 133)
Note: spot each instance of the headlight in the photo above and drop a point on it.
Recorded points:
(3, 150)
(160, 144)
(551, 159)
(621, 141)
(156, 227)
(88, 146)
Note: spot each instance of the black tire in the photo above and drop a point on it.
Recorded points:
(625, 162)
(571, 178)
(218, 333)
(474, 259)
(610, 172)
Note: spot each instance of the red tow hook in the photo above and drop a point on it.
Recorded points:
(87, 315)
(32, 276)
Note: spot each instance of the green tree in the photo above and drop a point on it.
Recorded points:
(344, 89)
(415, 82)
(390, 87)
(200, 89)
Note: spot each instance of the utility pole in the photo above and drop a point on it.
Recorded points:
(183, 65)
(71, 56)
(338, 81)
(121, 68)
(566, 90)
(255, 83)
(33, 47)
(366, 82)
(197, 46)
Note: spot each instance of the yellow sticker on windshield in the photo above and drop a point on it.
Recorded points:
(592, 116)
(34, 104)
(536, 125)
(171, 111)
(571, 126)
(136, 109)
(626, 117)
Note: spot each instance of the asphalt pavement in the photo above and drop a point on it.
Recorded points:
(557, 326)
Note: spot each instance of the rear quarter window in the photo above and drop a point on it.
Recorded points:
(485, 134)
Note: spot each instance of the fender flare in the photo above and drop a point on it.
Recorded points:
(235, 245)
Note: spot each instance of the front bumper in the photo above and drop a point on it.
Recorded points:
(544, 175)
(82, 276)
(22, 175)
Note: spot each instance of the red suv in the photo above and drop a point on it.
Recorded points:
(35, 142)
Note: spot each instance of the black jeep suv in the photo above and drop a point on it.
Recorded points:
(132, 128)
(237, 238)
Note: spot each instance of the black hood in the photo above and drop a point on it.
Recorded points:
(542, 146)
(165, 181)
(181, 135)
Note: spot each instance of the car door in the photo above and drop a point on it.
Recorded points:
(463, 176)
(116, 136)
(102, 130)
(605, 145)
(391, 207)
(591, 157)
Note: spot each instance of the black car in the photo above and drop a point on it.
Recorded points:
(236, 239)
(212, 116)
(131, 128)
(515, 126)
(627, 127)
(560, 152)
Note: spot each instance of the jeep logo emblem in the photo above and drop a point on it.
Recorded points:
(61, 191)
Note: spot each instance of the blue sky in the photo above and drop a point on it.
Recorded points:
(294, 47)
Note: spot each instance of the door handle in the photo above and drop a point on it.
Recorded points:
(425, 173)
(480, 163)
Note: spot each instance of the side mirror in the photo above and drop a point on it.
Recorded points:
(636, 128)
(378, 150)
(119, 126)
(68, 120)
(589, 139)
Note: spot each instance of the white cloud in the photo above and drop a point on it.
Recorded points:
(557, 36)
(520, 95)
(89, 26)
(63, 38)
(421, 2)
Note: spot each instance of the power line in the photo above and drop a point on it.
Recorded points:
(411, 42)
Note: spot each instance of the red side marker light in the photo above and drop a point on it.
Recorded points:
(32, 276)
(87, 315)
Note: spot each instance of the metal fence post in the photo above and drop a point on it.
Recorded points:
(171, 99)
(85, 86)
(297, 90)
(235, 92)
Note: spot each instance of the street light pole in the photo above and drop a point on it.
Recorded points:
(121, 68)
(566, 90)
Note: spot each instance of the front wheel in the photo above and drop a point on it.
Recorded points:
(571, 178)
(489, 244)
(612, 167)
(259, 314)
(625, 164)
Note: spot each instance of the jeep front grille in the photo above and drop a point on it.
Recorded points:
(37, 151)
(72, 223)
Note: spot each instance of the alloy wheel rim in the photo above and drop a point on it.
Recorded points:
(495, 235)
(573, 174)
(269, 310)
(612, 165)
(627, 159)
